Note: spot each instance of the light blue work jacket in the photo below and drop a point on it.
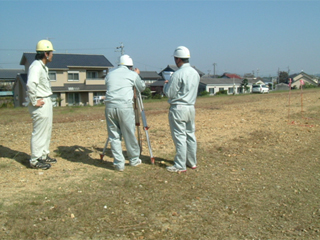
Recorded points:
(182, 88)
(120, 83)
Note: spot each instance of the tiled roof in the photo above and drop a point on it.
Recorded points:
(10, 73)
(149, 75)
(64, 60)
(173, 68)
(231, 75)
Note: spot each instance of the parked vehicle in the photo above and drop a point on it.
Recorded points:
(260, 88)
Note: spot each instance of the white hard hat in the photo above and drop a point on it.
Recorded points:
(44, 46)
(181, 52)
(126, 60)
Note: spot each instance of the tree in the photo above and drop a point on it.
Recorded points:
(147, 93)
(244, 85)
(204, 93)
(283, 77)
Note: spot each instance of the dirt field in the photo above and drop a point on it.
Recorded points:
(258, 175)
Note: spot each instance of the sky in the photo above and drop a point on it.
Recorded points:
(259, 37)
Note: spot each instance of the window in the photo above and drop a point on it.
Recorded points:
(73, 76)
(73, 99)
(221, 89)
(92, 74)
(52, 76)
(211, 90)
(230, 90)
(98, 97)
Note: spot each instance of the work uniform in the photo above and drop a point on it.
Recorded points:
(38, 86)
(182, 90)
(120, 114)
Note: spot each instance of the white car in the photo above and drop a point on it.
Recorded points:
(260, 88)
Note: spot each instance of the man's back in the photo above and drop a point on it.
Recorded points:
(183, 86)
(120, 83)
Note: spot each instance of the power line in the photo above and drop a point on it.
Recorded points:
(66, 49)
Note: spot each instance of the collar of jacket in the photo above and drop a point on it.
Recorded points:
(185, 65)
(44, 66)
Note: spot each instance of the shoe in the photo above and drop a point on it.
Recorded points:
(48, 160)
(175, 169)
(41, 165)
(137, 163)
(192, 167)
(118, 169)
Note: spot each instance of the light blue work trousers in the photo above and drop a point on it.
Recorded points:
(182, 126)
(121, 122)
(42, 128)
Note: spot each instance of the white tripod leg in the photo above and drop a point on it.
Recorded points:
(145, 125)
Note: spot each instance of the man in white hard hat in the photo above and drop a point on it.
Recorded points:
(120, 113)
(40, 106)
(182, 90)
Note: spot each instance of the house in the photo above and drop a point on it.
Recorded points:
(173, 68)
(157, 87)
(231, 85)
(76, 79)
(149, 77)
(269, 81)
(7, 79)
(298, 78)
(214, 85)
(282, 87)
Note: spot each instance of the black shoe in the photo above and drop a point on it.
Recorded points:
(41, 165)
(48, 160)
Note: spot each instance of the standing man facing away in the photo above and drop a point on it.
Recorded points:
(40, 106)
(119, 111)
(182, 90)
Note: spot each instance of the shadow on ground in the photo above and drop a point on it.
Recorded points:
(84, 155)
(19, 157)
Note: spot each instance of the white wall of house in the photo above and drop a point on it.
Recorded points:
(212, 89)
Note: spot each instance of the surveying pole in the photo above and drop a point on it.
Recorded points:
(137, 118)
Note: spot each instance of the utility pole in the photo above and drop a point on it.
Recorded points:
(214, 70)
(288, 71)
(234, 87)
(122, 49)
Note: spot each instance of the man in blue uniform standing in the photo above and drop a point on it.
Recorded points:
(182, 90)
(119, 111)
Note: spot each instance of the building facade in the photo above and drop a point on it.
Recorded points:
(76, 79)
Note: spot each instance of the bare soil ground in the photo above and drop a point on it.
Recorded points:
(257, 177)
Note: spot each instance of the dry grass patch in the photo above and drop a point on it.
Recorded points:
(257, 176)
